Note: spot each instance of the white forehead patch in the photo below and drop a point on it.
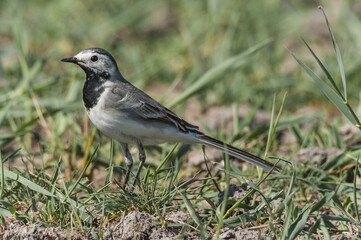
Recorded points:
(84, 55)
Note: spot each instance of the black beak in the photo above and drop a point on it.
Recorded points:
(71, 60)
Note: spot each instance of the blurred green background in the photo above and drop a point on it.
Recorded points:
(156, 42)
(162, 47)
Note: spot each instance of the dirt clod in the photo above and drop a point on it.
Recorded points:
(38, 231)
(247, 234)
(235, 193)
(239, 233)
(177, 217)
(135, 225)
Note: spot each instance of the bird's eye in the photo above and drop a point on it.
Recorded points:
(94, 58)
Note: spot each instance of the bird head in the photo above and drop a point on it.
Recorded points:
(95, 61)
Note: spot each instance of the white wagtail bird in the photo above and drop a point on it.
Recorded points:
(125, 113)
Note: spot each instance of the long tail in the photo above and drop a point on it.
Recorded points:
(235, 152)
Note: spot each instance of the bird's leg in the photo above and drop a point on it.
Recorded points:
(141, 161)
(128, 161)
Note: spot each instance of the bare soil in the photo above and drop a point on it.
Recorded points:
(135, 225)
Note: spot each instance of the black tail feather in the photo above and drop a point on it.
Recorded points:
(235, 152)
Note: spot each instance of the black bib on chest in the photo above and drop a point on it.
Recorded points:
(93, 88)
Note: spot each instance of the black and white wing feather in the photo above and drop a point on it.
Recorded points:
(138, 103)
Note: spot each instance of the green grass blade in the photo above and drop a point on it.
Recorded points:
(5, 213)
(322, 202)
(326, 234)
(2, 177)
(289, 207)
(194, 215)
(288, 215)
(298, 225)
(27, 183)
(167, 157)
(222, 207)
(271, 126)
(55, 176)
(4, 112)
(329, 92)
(8, 206)
(209, 170)
(253, 186)
(250, 191)
(338, 55)
(339, 205)
(355, 189)
(11, 155)
(314, 228)
(292, 183)
(111, 165)
(324, 70)
(90, 160)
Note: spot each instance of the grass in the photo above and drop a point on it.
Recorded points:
(216, 54)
